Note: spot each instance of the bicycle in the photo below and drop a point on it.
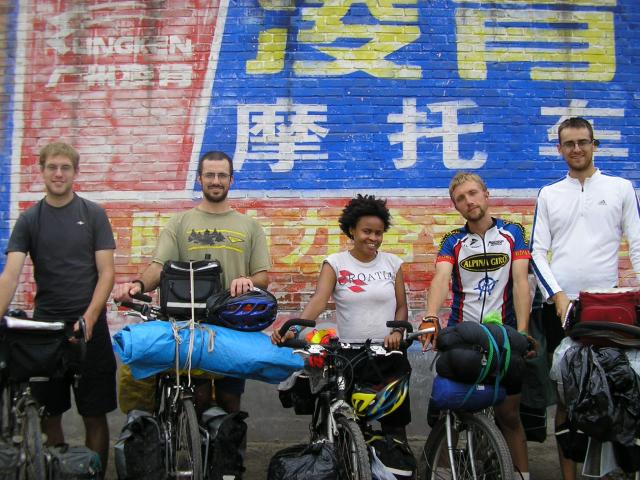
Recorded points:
(334, 420)
(175, 410)
(465, 445)
(20, 411)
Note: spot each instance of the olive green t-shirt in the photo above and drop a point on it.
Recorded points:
(234, 239)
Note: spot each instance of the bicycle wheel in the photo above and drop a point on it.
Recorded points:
(187, 445)
(351, 451)
(34, 465)
(478, 447)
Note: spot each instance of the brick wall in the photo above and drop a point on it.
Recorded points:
(315, 103)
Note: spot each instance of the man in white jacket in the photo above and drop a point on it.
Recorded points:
(580, 220)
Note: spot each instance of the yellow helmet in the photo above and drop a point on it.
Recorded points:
(372, 402)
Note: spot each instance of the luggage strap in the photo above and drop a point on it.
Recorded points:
(502, 366)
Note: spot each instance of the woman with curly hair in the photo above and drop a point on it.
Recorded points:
(368, 291)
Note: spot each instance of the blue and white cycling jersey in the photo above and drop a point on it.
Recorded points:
(481, 277)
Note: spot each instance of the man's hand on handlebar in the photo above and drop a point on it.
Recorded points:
(124, 292)
(429, 340)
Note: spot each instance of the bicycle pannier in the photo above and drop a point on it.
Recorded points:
(616, 305)
(71, 463)
(9, 461)
(227, 443)
(175, 287)
(298, 396)
(304, 462)
(34, 353)
(139, 451)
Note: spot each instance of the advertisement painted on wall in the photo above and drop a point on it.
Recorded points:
(412, 91)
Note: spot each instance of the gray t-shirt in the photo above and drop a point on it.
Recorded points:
(62, 242)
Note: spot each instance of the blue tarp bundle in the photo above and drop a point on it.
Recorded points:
(149, 348)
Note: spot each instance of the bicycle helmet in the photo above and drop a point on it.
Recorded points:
(373, 402)
(248, 312)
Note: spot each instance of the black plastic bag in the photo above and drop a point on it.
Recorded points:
(602, 394)
(304, 462)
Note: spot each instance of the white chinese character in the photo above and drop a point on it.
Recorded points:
(135, 75)
(176, 73)
(578, 108)
(283, 132)
(413, 129)
(101, 75)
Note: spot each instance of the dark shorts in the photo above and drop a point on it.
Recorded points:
(94, 390)
(231, 385)
(551, 327)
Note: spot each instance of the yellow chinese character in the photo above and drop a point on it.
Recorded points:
(581, 44)
(370, 57)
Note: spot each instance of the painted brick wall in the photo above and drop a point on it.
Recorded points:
(315, 102)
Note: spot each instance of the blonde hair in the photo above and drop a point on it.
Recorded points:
(462, 177)
(61, 149)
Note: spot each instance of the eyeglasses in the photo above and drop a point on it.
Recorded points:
(212, 175)
(54, 168)
(583, 144)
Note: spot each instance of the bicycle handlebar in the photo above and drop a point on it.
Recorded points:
(11, 323)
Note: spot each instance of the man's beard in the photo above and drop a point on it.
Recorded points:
(215, 198)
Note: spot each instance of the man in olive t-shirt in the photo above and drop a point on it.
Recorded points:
(212, 228)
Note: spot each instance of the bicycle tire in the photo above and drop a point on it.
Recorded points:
(34, 465)
(351, 451)
(492, 456)
(187, 445)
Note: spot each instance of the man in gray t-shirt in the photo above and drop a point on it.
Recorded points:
(70, 242)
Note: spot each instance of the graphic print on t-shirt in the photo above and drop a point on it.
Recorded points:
(346, 278)
(215, 238)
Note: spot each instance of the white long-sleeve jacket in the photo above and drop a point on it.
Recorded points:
(582, 226)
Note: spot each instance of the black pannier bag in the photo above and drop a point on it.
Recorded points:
(227, 443)
(304, 462)
(298, 396)
(31, 354)
(139, 451)
(175, 287)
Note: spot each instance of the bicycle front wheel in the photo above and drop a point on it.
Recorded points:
(351, 451)
(34, 465)
(187, 446)
(479, 451)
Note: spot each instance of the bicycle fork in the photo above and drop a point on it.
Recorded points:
(451, 449)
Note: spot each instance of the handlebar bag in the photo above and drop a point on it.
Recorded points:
(616, 305)
(31, 354)
(175, 287)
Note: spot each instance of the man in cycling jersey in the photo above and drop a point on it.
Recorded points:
(60, 231)
(487, 261)
(234, 239)
(580, 220)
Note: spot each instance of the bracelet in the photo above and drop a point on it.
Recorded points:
(141, 283)
(398, 330)
(295, 329)
(523, 333)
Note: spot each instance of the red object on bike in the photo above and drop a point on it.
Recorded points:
(611, 305)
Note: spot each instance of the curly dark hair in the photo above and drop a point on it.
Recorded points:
(363, 206)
